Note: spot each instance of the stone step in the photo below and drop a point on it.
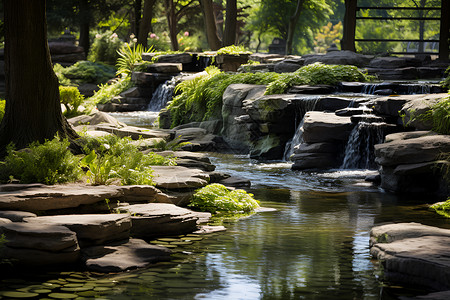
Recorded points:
(91, 229)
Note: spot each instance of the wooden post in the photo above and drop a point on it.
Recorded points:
(444, 31)
(348, 40)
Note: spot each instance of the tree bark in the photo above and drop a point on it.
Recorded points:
(85, 19)
(292, 24)
(137, 16)
(33, 109)
(210, 24)
(229, 37)
(146, 22)
(172, 22)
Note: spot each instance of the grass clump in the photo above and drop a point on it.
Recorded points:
(442, 208)
(200, 98)
(446, 82)
(439, 116)
(129, 57)
(111, 159)
(314, 74)
(217, 198)
(48, 163)
(110, 90)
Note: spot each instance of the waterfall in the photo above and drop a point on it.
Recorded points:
(162, 95)
(303, 105)
(359, 152)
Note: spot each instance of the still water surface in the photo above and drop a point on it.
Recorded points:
(314, 246)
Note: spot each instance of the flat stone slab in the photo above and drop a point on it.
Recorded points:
(134, 132)
(325, 127)
(42, 197)
(119, 258)
(159, 219)
(413, 254)
(91, 229)
(162, 67)
(16, 216)
(177, 177)
(410, 151)
(39, 244)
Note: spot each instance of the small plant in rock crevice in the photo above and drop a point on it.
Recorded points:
(442, 208)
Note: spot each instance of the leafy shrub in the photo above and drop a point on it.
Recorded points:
(129, 57)
(2, 109)
(316, 73)
(111, 158)
(218, 198)
(48, 163)
(110, 90)
(201, 97)
(71, 98)
(63, 80)
(442, 208)
(90, 72)
(105, 47)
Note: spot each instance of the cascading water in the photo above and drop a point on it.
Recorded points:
(359, 152)
(304, 104)
(162, 95)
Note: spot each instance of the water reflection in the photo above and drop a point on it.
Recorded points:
(314, 246)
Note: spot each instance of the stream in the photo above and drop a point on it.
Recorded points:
(315, 245)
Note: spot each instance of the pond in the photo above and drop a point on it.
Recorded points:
(315, 245)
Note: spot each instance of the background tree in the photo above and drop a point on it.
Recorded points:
(210, 25)
(146, 22)
(229, 37)
(33, 109)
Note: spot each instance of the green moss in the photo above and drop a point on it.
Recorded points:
(218, 198)
(233, 50)
(442, 208)
(71, 98)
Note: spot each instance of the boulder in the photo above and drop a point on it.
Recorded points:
(307, 161)
(418, 105)
(287, 67)
(183, 58)
(408, 73)
(319, 89)
(16, 216)
(93, 229)
(199, 139)
(96, 118)
(149, 80)
(325, 127)
(232, 107)
(389, 106)
(165, 68)
(39, 244)
(236, 182)
(413, 150)
(394, 62)
(57, 48)
(45, 198)
(123, 257)
(4, 221)
(344, 57)
(413, 254)
(176, 177)
(160, 219)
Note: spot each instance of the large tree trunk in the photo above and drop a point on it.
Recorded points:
(292, 25)
(146, 22)
(229, 37)
(210, 24)
(33, 110)
(172, 22)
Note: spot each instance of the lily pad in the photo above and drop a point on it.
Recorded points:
(87, 294)
(42, 291)
(15, 294)
(62, 296)
(168, 240)
(77, 289)
(101, 289)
